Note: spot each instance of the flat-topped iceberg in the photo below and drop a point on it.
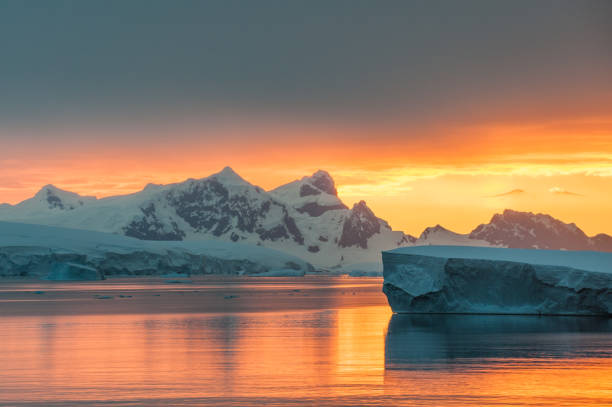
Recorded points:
(453, 279)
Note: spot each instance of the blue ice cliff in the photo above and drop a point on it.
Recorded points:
(445, 279)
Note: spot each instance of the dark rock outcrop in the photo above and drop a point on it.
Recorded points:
(323, 181)
(150, 227)
(307, 190)
(602, 243)
(314, 209)
(539, 231)
(359, 226)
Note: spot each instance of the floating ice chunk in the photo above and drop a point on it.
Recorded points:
(441, 279)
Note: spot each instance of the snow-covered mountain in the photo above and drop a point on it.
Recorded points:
(519, 230)
(438, 235)
(538, 231)
(305, 217)
(49, 200)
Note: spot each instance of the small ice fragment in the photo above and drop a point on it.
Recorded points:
(179, 282)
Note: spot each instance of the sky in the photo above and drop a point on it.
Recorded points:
(433, 112)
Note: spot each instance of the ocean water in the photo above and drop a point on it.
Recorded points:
(283, 341)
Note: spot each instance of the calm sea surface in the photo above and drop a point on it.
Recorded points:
(283, 341)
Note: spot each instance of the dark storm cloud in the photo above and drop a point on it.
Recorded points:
(421, 60)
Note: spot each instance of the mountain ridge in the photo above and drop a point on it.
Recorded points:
(304, 217)
(526, 230)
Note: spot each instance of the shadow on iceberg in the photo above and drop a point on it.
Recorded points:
(429, 342)
(73, 272)
(472, 280)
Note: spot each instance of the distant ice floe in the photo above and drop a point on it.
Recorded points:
(369, 269)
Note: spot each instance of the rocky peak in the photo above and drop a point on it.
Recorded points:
(228, 176)
(49, 189)
(56, 198)
(528, 230)
(362, 209)
(318, 187)
(434, 230)
(152, 187)
(407, 239)
(530, 219)
(223, 206)
(324, 182)
(602, 242)
(359, 226)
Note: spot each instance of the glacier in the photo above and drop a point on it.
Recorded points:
(55, 253)
(61, 271)
(484, 280)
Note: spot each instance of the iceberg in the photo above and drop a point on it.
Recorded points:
(481, 280)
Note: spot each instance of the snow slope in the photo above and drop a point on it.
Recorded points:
(586, 260)
(454, 279)
(33, 250)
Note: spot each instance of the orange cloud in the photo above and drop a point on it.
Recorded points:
(561, 191)
(514, 192)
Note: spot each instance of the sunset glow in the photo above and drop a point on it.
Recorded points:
(410, 107)
(457, 176)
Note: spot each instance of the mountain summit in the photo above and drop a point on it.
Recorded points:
(520, 230)
(228, 176)
(538, 231)
(50, 198)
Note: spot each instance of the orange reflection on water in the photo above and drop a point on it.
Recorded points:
(360, 343)
(345, 355)
(585, 382)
